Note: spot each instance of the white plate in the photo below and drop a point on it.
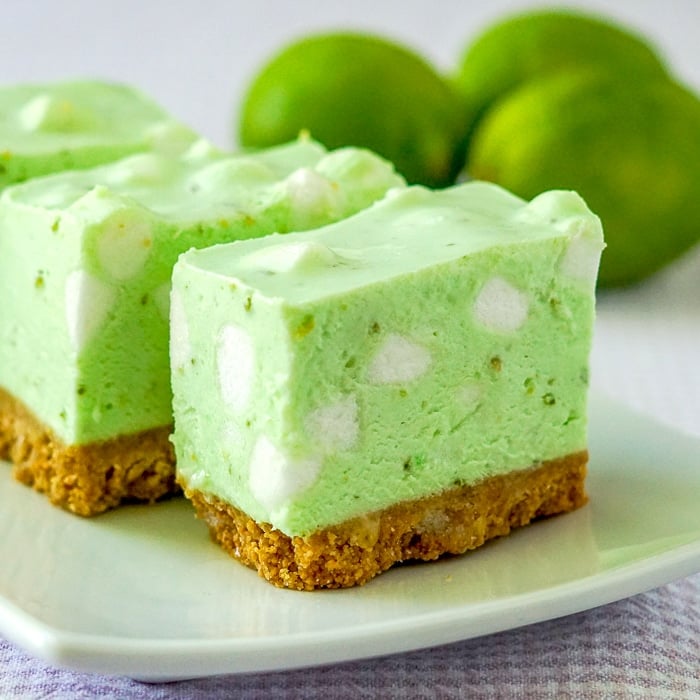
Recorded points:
(142, 591)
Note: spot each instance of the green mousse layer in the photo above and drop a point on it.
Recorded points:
(430, 341)
(85, 267)
(75, 125)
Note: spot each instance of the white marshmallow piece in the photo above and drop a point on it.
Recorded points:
(180, 350)
(124, 246)
(311, 193)
(500, 306)
(236, 365)
(307, 255)
(197, 479)
(334, 427)
(87, 304)
(581, 260)
(275, 479)
(289, 257)
(398, 360)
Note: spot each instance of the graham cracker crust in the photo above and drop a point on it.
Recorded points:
(353, 552)
(86, 479)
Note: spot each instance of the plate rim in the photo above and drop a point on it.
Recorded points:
(115, 655)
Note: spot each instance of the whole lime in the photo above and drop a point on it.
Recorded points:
(534, 44)
(359, 90)
(631, 151)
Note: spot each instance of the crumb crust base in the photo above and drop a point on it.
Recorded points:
(86, 479)
(352, 553)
